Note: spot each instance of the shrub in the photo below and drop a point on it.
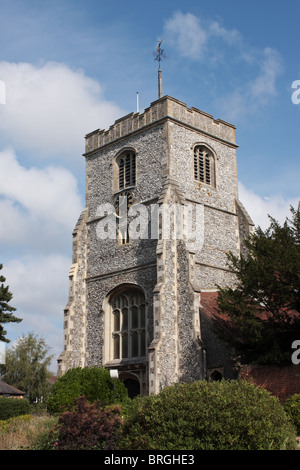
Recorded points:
(11, 407)
(292, 408)
(94, 383)
(22, 432)
(226, 415)
(89, 426)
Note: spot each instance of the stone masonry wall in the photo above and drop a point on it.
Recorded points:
(74, 348)
(110, 265)
(105, 256)
(171, 272)
(221, 223)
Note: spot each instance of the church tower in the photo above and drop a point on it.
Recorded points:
(149, 249)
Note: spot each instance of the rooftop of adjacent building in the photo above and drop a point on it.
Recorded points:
(6, 390)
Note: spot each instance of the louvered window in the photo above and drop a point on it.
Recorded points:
(127, 170)
(204, 165)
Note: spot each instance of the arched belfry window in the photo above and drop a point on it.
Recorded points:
(128, 323)
(204, 165)
(127, 169)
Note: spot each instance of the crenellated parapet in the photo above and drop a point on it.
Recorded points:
(164, 108)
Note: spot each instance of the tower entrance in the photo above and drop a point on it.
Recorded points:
(133, 387)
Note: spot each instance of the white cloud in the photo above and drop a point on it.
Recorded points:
(39, 285)
(40, 289)
(187, 34)
(260, 207)
(49, 108)
(193, 37)
(12, 223)
(230, 36)
(271, 67)
(38, 206)
(208, 42)
(257, 92)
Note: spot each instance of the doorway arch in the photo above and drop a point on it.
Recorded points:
(132, 383)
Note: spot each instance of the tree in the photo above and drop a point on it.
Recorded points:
(263, 308)
(6, 310)
(26, 367)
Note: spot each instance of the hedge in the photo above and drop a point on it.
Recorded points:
(11, 407)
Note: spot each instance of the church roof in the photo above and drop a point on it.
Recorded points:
(209, 306)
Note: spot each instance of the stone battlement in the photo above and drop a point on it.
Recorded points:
(164, 108)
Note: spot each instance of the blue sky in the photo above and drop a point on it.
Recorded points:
(70, 67)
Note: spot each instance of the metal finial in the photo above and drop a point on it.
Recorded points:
(159, 53)
(158, 56)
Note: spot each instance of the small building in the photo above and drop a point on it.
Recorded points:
(9, 391)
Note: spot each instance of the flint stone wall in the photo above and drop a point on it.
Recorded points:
(171, 273)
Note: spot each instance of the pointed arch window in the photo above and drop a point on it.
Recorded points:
(127, 169)
(204, 165)
(128, 323)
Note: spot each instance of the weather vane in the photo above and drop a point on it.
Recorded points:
(158, 56)
(159, 53)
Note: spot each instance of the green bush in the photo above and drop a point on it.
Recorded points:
(292, 408)
(94, 383)
(226, 415)
(11, 407)
(89, 426)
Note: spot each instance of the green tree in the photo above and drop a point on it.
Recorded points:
(6, 310)
(263, 307)
(27, 367)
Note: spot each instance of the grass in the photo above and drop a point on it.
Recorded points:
(25, 432)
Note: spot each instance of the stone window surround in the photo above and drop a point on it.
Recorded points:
(212, 166)
(115, 167)
(109, 326)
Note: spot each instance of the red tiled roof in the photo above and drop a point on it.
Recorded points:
(209, 306)
(208, 301)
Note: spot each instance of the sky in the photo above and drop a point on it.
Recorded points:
(69, 67)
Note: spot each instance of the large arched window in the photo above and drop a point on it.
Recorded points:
(128, 323)
(127, 169)
(204, 165)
